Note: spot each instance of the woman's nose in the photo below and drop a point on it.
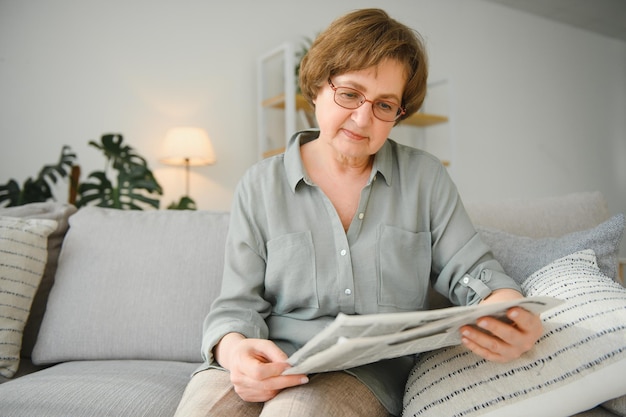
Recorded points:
(363, 114)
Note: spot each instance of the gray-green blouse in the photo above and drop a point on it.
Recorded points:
(290, 267)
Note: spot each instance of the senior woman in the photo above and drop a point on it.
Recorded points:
(346, 220)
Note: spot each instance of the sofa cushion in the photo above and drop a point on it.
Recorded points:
(578, 363)
(541, 217)
(616, 405)
(520, 256)
(98, 389)
(596, 412)
(60, 213)
(23, 255)
(133, 285)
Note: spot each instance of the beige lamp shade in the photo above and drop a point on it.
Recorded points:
(187, 146)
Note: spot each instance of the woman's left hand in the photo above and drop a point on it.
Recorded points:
(498, 341)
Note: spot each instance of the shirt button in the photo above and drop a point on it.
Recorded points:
(466, 280)
(348, 291)
(343, 252)
(361, 215)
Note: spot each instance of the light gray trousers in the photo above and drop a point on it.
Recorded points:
(337, 394)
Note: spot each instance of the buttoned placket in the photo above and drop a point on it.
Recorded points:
(343, 240)
(345, 271)
(345, 276)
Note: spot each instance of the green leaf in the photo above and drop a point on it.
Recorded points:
(135, 187)
(10, 192)
(96, 190)
(185, 203)
(62, 168)
(38, 189)
(121, 156)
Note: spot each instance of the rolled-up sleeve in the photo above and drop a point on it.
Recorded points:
(464, 269)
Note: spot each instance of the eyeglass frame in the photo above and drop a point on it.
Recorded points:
(401, 109)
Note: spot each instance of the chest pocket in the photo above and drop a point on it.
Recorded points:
(290, 273)
(404, 260)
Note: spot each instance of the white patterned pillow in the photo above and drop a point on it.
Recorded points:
(23, 255)
(578, 363)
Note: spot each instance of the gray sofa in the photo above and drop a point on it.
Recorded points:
(115, 325)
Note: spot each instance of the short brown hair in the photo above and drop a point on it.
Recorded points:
(362, 39)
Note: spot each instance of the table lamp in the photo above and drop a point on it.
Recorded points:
(188, 146)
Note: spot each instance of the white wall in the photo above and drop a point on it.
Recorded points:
(538, 107)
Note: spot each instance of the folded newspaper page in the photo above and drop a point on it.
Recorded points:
(354, 340)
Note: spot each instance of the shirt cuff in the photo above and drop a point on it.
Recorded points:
(480, 288)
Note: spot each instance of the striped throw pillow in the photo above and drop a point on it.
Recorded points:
(579, 361)
(23, 255)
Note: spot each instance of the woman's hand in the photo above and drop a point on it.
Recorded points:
(498, 341)
(255, 367)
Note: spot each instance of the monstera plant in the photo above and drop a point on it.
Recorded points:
(38, 189)
(125, 183)
(133, 187)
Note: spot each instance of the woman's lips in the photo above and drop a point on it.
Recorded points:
(352, 135)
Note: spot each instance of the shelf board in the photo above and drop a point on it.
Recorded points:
(424, 119)
(273, 152)
(278, 102)
(416, 119)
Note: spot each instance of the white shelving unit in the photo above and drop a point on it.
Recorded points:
(276, 92)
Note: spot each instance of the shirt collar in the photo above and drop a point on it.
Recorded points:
(383, 162)
(295, 168)
(293, 159)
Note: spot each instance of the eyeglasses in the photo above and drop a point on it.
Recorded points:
(349, 98)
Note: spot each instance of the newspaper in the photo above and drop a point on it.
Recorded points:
(354, 340)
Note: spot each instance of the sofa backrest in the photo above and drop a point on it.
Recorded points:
(154, 274)
(133, 285)
(541, 217)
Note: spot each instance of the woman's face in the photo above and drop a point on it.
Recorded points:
(357, 134)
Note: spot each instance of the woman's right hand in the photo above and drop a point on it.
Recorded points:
(255, 367)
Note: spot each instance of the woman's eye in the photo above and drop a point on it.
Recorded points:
(348, 95)
(384, 106)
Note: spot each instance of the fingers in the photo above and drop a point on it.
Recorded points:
(498, 341)
(487, 349)
(256, 373)
(262, 358)
(526, 321)
(253, 390)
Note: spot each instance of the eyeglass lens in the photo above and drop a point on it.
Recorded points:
(350, 98)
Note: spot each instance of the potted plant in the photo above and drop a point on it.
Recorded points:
(38, 189)
(134, 186)
(126, 182)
